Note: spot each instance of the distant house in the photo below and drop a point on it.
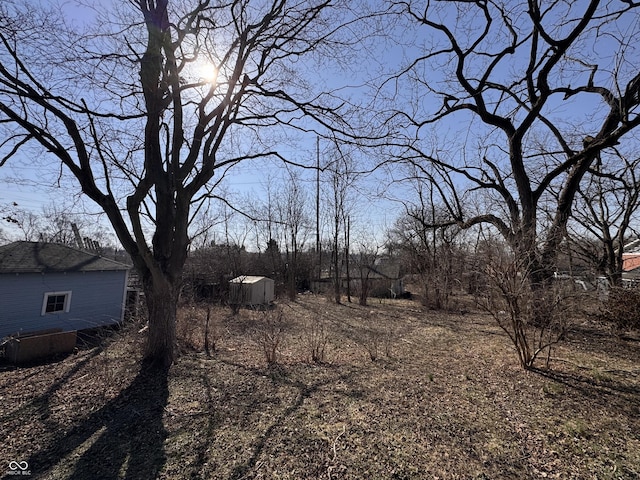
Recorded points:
(48, 287)
(251, 290)
(384, 278)
(631, 262)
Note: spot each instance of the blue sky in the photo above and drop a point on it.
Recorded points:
(34, 193)
(34, 185)
(19, 184)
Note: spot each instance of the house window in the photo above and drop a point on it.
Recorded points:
(56, 302)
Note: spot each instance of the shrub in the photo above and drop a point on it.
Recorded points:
(189, 328)
(270, 334)
(316, 338)
(535, 317)
(622, 309)
(198, 328)
(376, 339)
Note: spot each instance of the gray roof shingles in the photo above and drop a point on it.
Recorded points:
(38, 257)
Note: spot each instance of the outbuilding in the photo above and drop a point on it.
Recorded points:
(49, 287)
(251, 290)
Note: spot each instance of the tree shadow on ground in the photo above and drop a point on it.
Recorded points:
(243, 471)
(40, 404)
(123, 439)
(281, 377)
(614, 394)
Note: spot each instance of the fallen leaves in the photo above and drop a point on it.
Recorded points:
(447, 400)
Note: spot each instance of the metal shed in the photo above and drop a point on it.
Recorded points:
(251, 290)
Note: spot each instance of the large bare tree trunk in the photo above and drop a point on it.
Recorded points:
(161, 298)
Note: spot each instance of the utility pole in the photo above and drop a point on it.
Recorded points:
(318, 246)
(347, 239)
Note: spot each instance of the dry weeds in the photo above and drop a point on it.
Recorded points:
(444, 398)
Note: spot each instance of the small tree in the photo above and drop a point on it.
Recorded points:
(342, 180)
(365, 260)
(291, 206)
(424, 236)
(512, 303)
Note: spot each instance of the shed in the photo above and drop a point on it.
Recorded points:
(251, 290)
(49, 287)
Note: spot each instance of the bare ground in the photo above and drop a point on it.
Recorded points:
(402, 393)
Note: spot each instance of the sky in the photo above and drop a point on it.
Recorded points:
(23, 182)
(244, 182)
(249, 179)
(23, 185)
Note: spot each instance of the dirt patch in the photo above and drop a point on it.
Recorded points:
(401, 392)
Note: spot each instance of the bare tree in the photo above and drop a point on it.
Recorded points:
(142, 129)
(26, 222)
(523, 98)
(498, 73)
(501, 77)
(342, 178)
(365, 260)
(291, 205)
(281, 224)
(426, 239)
(605, 214)
(269, 235)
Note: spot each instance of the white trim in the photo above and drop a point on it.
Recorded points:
(123, 307)
(67, 302)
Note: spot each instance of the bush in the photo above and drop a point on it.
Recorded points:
(270, 334)
(622, 309)
(198, 329)
(316, 338)
(376, 339)
(534, 316)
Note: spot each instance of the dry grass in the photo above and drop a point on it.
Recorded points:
(444, 398)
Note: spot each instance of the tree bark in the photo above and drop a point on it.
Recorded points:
(162, 300)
